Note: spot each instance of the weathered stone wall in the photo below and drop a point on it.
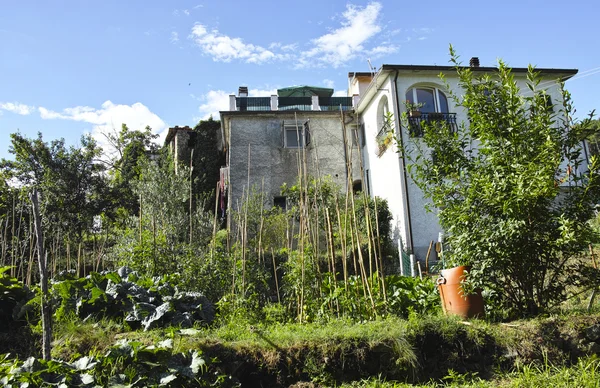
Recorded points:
(256, 148)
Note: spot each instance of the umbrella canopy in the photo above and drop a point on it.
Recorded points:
(304, 91)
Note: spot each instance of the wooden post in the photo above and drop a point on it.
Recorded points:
(427, 258)
(46, 308)
(591, 301)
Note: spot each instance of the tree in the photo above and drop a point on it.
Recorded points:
(511, 189)
(131, 150)
(71, 183)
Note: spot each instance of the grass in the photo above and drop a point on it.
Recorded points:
(586, 373)
(432, 350)
(74, 338)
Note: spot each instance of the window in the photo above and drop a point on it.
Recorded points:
(280, 202)
(296, 135)
(431, 100)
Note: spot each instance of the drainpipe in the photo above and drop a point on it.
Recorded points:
(402, 163)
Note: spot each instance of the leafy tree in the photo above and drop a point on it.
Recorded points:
(131, 151)
(511, 189)
(71, 182)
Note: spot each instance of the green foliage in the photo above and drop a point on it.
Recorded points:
(13, 297)
(208, 159)
(511, 189)
(139, 301)
(131, 150)
(126, 364)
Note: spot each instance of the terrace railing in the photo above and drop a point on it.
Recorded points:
(253, 103)
(415, 124)
(335, 103)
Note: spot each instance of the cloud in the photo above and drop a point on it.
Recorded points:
(224, 48)
(174, 37)
(218, 100)
(382, 50)
(359, 24)
(18, 108)
(329, 83)
(186, 12)
(109, 118)
(213, 102)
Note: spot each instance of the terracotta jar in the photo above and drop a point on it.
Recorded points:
(453, 299)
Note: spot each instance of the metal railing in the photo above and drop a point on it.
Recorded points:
(415, 123)
(253, 103)
(294, 103)
(335, 103)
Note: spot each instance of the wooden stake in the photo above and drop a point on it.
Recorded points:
(42, 258)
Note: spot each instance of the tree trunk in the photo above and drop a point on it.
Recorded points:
(46, 309)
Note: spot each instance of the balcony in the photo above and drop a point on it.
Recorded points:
(415, 126)
(276, 103)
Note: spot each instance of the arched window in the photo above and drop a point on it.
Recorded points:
(430, 100)
(382, 111)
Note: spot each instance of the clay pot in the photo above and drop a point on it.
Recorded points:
(453, 299)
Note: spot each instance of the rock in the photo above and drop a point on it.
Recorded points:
(594, 348)
(592, 333)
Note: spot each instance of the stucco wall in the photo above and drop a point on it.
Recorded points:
(270, 164)
(384, 170)
(386, 176)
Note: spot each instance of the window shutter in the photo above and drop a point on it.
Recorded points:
(307, 133)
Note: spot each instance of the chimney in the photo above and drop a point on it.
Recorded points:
(243, 91)
(474, 62)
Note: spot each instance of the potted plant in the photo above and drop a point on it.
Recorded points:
(413, 109)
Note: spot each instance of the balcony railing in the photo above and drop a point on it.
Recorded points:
(415, 124)
(273, 103)
(294, 103)
(253, 103)
(335, 103)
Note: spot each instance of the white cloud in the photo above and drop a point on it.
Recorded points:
(218, 100)
(224, 48)
(329, 83)
(109, 118)
(359, 24)
(174, 37)
(186, 12)
(213, 102)
(18, 108)
(382, 50)
(198, 6)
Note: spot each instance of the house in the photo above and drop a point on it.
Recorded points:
(382, 100)
(270, 140)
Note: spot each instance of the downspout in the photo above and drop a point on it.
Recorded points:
(402, 163)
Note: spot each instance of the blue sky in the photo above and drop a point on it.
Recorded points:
(71, 67)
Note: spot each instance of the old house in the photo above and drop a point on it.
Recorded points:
(384, 96)
(270, 140)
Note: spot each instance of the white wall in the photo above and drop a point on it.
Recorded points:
(385, 175)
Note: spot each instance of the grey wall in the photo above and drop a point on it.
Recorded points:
(270, 163)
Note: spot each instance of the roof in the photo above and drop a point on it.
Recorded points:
(304, 91)
(563, 74)
(567, 72)
(173, 130)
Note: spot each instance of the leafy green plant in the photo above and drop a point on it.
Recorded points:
(13, 297)
(140, 301)
(516, 206)
(127, 363)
